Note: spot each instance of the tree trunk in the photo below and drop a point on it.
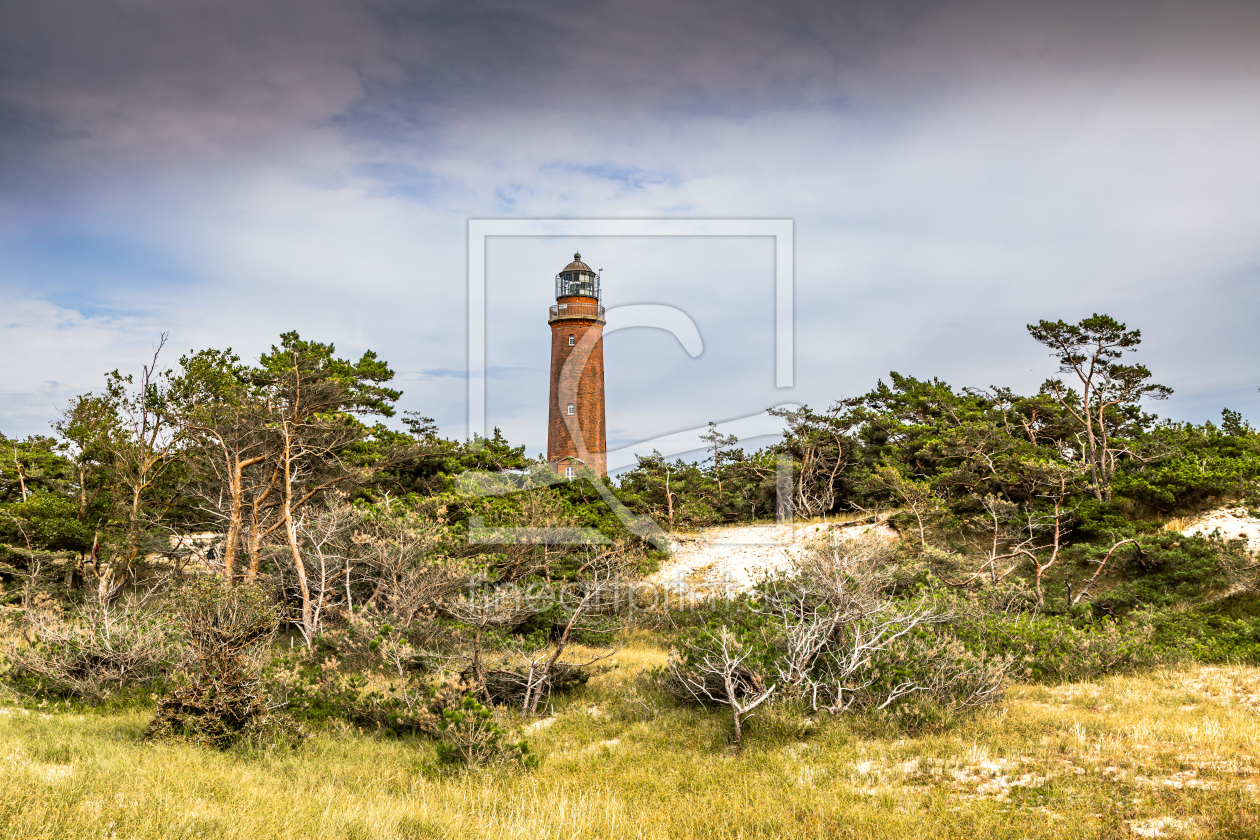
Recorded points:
(82, 492)
(236, 514)
(290, 530)
(735, 710)
(1054, 555)
(233, 530)
(669, 499)
(254, 547)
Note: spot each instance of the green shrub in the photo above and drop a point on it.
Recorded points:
(1197, 465)
(694, 631)
(1208, 635)
(1051, 648)
(1162, 570)
(371, 674)
(469, 736)
(44, 520)
(947, 676)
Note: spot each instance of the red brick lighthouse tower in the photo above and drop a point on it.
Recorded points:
(575, 430)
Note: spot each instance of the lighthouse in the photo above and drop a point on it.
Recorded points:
(576, 435)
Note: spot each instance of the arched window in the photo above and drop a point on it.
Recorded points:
(570, 341)
(570, 408)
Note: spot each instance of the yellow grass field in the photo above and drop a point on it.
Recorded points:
(1171, 753)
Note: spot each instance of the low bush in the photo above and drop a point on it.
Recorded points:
(91, 653)
(834, 638)
(1056, 648)
(394, 695)
(1209, 635)
(932, 678)
(1164, 570)
(369, 674)
(470, 736)
(224, 633)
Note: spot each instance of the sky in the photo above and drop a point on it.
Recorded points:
(222, 172)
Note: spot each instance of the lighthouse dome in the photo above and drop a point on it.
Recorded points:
(577, 265)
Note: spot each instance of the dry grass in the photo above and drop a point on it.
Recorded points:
(1181, 523)
(1171, 753)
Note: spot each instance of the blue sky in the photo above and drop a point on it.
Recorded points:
(226, 171)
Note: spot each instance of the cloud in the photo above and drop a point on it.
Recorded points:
(229, 171)
(502, 372)
(49, 354)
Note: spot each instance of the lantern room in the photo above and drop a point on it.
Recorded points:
(577, 279)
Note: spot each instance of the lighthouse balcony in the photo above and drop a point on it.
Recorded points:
(576, 311)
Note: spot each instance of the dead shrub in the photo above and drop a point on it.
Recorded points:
(224, 632)
(91, 653)
(832, 638)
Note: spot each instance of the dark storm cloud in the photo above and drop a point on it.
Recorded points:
(157, 81)
(93, 88)
(691, 57)
(138, 85)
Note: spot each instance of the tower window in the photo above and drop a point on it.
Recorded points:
(570, 341)
(570, 408)
(568, 472)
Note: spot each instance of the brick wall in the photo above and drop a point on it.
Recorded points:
(577, 376)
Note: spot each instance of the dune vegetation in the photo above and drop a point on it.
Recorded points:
(1170, 752)
(235, 602)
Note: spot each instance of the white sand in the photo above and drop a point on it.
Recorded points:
(1231, 523)
(727, 560)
